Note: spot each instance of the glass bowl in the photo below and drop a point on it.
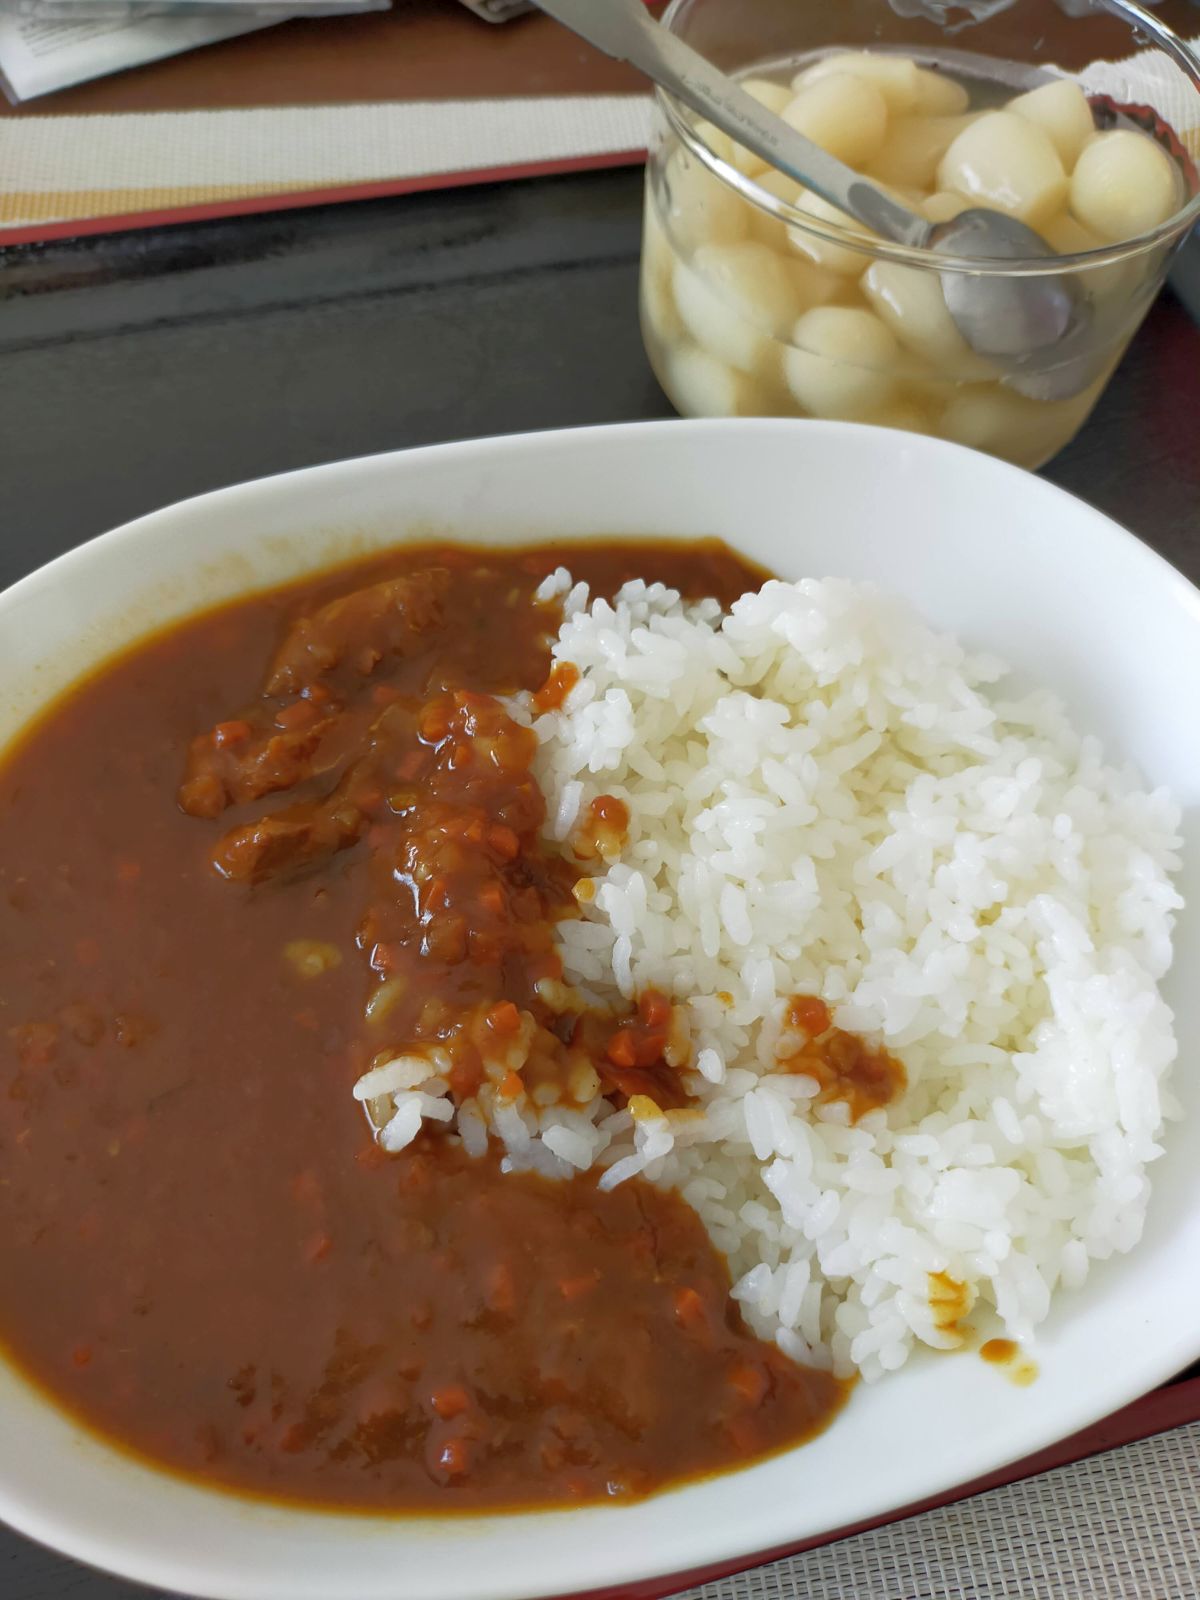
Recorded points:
(758, 299)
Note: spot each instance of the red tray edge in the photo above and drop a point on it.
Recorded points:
(1172, 1406)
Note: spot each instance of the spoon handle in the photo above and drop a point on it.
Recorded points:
(623, 28)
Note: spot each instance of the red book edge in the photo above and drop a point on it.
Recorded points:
(296, 199)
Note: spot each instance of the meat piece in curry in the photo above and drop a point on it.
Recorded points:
(235, 865)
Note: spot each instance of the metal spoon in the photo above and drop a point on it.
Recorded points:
(1036, 326)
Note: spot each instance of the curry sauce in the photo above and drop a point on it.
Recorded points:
(206, 1255)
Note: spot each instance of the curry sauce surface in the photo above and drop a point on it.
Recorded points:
(205, 1255)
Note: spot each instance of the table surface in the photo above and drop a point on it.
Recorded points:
(143, 368)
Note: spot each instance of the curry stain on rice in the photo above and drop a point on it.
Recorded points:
(844, 1066)
(950, 1301)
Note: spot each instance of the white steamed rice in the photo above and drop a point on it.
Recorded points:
(826, 797)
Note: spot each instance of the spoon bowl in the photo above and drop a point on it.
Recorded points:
(1001, 317)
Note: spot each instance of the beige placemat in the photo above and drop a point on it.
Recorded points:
(1119, 1526)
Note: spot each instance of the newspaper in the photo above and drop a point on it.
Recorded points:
(40, 54)
(52, 44)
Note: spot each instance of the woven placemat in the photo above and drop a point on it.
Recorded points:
(1119, 1526)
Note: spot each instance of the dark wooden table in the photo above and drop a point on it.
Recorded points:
(146, 367)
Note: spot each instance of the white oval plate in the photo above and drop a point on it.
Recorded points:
(1005, 560)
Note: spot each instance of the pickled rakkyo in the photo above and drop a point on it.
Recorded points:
(748, 313)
